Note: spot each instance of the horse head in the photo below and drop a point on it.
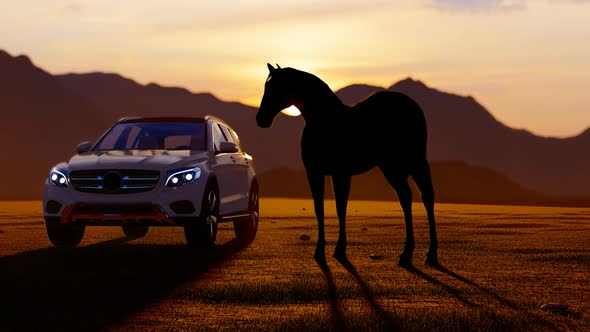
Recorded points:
(277, 96)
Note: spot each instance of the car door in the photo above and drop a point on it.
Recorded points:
(225, 168)
(241, 165)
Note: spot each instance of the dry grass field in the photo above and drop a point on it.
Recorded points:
(500, 265)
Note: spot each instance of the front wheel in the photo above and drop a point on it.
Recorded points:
(246, 228)
(135, 231)
(64, 235)
(202, 234)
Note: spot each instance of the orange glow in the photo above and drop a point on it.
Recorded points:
(503, 53)
(291, 111)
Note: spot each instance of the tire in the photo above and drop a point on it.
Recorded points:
(246, 228)
(202, 234)
(135, 231)
(68, 235)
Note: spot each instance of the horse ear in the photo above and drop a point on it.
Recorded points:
(270, 68)
(278, 67)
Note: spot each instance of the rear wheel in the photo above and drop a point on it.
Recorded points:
(246, 228)
(64, 235)
(202, 234)
(135, 231)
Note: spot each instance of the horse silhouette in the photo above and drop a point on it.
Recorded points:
(386, 130)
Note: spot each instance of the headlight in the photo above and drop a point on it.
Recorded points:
(178, 177)
(58, 177)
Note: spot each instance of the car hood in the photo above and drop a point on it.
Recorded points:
(136, 159)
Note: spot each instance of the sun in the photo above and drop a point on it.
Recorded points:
(291, 111)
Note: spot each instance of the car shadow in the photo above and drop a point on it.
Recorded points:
(93, 287)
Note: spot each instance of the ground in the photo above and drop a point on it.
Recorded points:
(500, 264)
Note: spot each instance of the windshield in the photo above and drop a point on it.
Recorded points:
(154, 136)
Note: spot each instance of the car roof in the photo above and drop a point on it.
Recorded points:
(169, 119)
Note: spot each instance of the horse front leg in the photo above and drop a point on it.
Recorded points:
(341, 185)
(316, 184)
(404, 194)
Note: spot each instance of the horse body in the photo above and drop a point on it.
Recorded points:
(386, 130)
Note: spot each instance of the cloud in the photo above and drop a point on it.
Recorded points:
(581, 2)
(72, 8)
(478, 6)
(267, 13)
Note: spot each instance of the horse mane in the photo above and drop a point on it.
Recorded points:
(313, 87)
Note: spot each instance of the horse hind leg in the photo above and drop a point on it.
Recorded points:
(399, 182)
(341, 185)
(316, 184)
(423, 180)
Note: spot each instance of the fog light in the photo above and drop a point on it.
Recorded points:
(182, 207)
(52, 207)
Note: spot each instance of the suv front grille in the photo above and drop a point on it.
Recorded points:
(118, 181)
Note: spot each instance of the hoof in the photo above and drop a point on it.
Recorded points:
(405, 260)
(320, 259)
(340, 255)
(319, 255)
(407, 263)
(431, 260)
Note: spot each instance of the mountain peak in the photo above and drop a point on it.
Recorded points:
(585, 133)
(24, 60)
(354, 93)
(408, 83)
(19, 59)
(4, 54)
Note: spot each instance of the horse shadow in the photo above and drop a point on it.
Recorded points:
(336, 315)
(504, 301)
(97, 286)
(389, 323)
(482, 289)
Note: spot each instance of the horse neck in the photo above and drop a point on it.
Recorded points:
(320, 107)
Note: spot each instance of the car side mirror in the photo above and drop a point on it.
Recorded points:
(228, 147)
(83, 147)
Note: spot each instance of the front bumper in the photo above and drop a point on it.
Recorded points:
(158, 207)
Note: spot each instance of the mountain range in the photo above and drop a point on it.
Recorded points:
(43, 117)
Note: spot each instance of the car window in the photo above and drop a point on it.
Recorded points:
(236, 139)
(132, 136)
(226, 133)
(229, 134)
(178, 142)
(154, 136)
(110, 139)
(218, 137)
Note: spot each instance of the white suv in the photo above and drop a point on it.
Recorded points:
(167, 171)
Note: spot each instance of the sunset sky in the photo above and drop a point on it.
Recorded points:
(528, 62)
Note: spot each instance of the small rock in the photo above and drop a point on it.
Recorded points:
(555, 307)
(375, 256)
(304, 237)
(303, 209)
(364, 229)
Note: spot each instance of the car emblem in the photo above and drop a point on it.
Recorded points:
(112, 181)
